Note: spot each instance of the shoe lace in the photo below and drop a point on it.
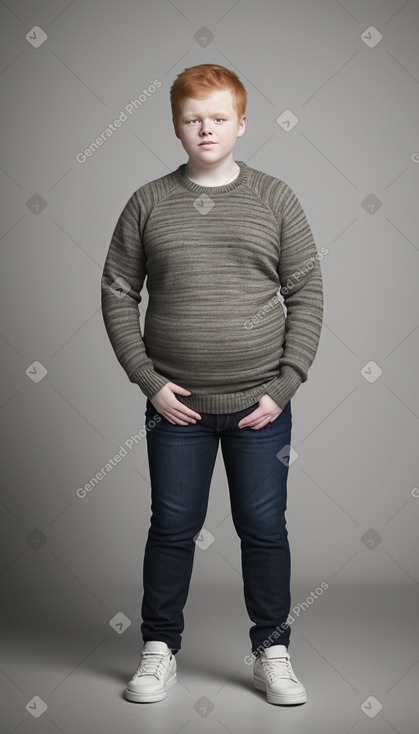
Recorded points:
(279, 667)
(151, 663)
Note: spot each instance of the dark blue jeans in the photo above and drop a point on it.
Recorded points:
(181, 462)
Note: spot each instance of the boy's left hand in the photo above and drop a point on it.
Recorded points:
(267, 411)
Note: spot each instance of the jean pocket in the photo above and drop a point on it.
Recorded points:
(150, 409)
(284, 414)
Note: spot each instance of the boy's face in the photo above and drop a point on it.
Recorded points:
(210, 119)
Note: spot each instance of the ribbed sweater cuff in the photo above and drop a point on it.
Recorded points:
(148, 380)
(282, 388)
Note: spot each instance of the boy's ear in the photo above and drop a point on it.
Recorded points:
(242, 123)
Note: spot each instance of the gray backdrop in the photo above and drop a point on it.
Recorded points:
(333, 111)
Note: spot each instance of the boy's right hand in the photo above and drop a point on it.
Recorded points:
(166, 403)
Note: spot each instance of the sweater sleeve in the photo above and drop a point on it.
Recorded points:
(122, 280)
(302, 289)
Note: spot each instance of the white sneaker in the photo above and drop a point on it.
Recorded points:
(272, 672)
(155, 674)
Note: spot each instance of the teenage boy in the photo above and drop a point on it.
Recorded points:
(220, 358)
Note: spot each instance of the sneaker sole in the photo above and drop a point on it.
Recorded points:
(283, 699)
(150, 697)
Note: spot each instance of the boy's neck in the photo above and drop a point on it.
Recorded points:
(222, 173)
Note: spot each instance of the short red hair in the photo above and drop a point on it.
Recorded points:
(200, 81)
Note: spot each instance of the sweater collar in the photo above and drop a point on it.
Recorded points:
(197, 189)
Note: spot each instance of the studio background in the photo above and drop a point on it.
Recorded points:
(333, 111)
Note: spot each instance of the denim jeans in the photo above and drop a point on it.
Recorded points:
(181, 462)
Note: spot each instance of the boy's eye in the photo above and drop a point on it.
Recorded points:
(216, 119)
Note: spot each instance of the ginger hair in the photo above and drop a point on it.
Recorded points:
(200, 81)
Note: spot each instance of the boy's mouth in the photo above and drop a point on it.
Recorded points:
(207, 142)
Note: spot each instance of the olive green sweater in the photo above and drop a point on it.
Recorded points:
(215, 258)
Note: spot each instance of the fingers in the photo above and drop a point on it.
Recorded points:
(182, 417)
(256, 421)
(181, 411)
(177, 422)
(253, 418)
(178, 388)
(260, 424)
(175, 411)
(184, 411)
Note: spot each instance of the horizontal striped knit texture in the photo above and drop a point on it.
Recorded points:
(215, 258)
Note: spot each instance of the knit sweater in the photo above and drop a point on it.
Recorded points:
(216, 259)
